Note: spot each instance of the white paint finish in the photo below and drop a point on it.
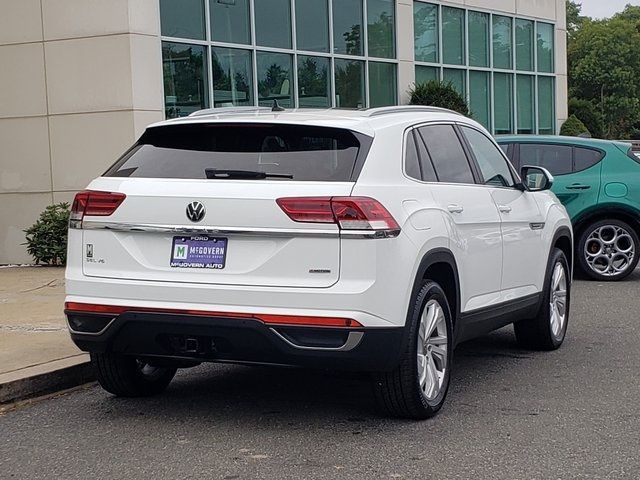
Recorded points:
(537, 8)
(561, 52)
(89, 74)
(24, 162)
(17, 212)
(22, 80)
(142, 119)
(20, 21)
(85, 145)
(146, 72)
(84, 18)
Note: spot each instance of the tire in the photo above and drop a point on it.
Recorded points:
(548, 329)
(417, 389)
(127, 376)
(608, 250)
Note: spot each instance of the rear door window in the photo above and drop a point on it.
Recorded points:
(493, 166)
(558, 159)
(586, 158)
(446, 154)
(411, 160)
(303, 153)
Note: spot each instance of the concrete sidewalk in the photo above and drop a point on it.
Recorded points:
(36, 353)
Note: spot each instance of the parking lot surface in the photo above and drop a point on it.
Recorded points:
(510, 414)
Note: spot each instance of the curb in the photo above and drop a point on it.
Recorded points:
(44, 379)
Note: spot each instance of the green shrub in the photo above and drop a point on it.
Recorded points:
(47, 238)
(438, 94)
(589, 114)
(573, 127)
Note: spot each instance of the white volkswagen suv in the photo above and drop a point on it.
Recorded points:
(372, 240)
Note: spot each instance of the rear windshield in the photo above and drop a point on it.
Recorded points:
(296, 152)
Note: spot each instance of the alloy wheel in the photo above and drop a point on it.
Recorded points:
(558, 301)
(609, 250)
(432, 350)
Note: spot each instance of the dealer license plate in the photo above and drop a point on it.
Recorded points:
(200, 251)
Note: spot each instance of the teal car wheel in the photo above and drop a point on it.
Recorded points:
(608, 250)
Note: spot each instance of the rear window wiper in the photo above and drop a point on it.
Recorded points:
(216, 174)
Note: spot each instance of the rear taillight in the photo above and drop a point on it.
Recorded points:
(93, 203)
(349, 213)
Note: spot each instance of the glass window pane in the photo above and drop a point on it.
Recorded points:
(273, 23)
(453, 36)
(186, 88)
(545, 47)
(232, 77)
(230, 21)
(524, 45)
(502, 37)
(182, 18)
(502, 103)
(382, 84)
(546, 115)
(447, 154)
(275, 79)
(349, 83)
(555, 158)
(479, 39)
(494, 168)
(425, 30)
(480, 97)
(411, 160)
(347, 27)
(381, 22)
(312, 25)
(526, 105)
(457, 79)
(586, 158)
(426, 74)
(314, 81)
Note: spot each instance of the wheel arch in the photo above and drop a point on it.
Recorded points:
(439, 265)
(610, 211)
(563, 239)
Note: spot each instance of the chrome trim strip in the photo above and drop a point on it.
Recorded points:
(353, 340)
(537, 225)
(271, 232)
(91, 333)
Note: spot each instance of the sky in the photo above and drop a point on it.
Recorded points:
(604, 8)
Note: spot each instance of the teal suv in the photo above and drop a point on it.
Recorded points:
(598, 181)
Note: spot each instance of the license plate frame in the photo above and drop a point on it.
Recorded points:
(199, 252)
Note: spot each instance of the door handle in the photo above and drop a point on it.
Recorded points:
(578, 186)
(455, 208)
(504, 208)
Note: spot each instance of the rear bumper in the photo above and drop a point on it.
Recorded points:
(236, 340)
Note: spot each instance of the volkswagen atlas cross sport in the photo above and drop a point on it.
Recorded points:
(598, 181)
(371, 240)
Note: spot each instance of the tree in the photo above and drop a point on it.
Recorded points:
(589, 114)
(604, 68)
(574, 19)
(573, 127)
(439, 94)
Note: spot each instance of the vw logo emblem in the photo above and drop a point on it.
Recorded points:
(195, 211)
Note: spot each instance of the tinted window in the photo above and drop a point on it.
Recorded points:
(186, 151)
(411, 160)
(493, 166)
(446, 153)
(555, 158)
(585, 158)
(505, 148)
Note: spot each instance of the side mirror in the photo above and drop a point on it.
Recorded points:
(536, 179)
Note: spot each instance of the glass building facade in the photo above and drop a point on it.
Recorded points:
(503, 65)
(344, 53)
(302, 53)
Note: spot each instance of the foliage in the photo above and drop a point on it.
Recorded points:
(574, 19)
(47, 238)
(604, 69)
(573, 127)
(439, 94)
(589, 114)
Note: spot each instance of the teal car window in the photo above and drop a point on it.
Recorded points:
(586, 158)
(494, 168)
(558, 159)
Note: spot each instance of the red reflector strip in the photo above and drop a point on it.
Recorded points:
(265, 318)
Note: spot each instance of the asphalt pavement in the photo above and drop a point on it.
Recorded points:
(511, 414)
